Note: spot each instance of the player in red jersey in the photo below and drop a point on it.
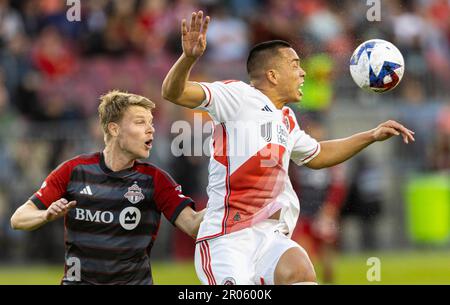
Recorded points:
(252, 208)
(112, 203)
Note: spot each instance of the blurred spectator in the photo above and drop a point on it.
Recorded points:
(150, 30)
(439, 153)
(227, 37)
(275, 20)
(52, 55)
(321, 193)
(364, 199)
(11, 23)
(419, 114)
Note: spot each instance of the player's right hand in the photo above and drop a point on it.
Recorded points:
(194, 39)
(58, 209)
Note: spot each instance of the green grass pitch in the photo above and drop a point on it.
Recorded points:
(418, 267)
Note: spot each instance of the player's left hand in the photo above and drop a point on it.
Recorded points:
(392, 128)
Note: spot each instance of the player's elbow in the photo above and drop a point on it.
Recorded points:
(18, 222)
(315, 164)
(169, 94)
(15, 222)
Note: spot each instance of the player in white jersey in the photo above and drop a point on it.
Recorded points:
(252, 208)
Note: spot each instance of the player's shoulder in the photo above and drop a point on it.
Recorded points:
(233, 84)
(289, 110)
(292, 112)
(82, 159)
(156, 172)
(89, 158)
(231, 81)
(66, 168)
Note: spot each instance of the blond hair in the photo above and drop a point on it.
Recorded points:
(114, 104)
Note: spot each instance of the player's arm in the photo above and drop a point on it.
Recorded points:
(28, 217)
(189, 221)
(337, 151)
(176, 86)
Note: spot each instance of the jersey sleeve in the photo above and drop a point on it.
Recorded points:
(54, 187)
(223, 99)
(305, 147)
(169, 198)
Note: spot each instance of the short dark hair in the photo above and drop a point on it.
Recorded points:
(261, 52)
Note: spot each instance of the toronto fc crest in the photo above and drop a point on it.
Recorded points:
(134, 194)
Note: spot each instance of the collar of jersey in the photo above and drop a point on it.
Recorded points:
(119, 174)
(268, 100)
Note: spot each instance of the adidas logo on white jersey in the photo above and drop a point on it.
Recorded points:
(266, 108)
(86, 190)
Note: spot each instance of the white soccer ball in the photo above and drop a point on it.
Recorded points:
(377, 65)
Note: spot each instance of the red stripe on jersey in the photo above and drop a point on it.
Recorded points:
(220, 144)
(290, 120)
(220, 155)
(203, 256)
(229, 81)
(208, 237)
(309, 156)
(208, 255)
(210, 95)
(226, 200)
(255, 185)
(205, 270)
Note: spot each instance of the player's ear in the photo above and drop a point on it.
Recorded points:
(272, 76)
(113, 129)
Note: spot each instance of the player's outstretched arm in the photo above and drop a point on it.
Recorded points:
(28, 217)
(176, 86)
(189, 221)
(336, 151)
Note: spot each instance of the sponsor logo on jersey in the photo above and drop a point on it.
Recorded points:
(266, 108)
(282, 135)
(129, 218)
(86, 190)
(94, 216)
(134, 194)
(237, 217)
(266, 131)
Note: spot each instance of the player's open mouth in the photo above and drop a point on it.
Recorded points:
(148, 144)
(300, 88)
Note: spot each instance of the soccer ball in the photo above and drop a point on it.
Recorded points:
(377, 65)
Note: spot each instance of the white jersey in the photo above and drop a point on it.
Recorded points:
(251, 145)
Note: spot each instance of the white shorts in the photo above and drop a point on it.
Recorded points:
(245, 257)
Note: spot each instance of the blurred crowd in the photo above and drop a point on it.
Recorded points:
(52, 72)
